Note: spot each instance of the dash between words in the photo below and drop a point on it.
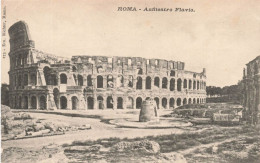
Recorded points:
(156, 9)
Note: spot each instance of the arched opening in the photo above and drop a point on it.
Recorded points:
(56, 93)
(63, 78)
(99, 69)
(179, 102)
(157, 82)
(139, 71)
(120, 81)
(47, 73)
(189, 100)
(164, 83)
(25, 79)
(89, 80)
(34, 102)
(130, 81)
(75, 79)
(15, 102)
(100, 102)
(33, 79)
(185, 83)
(194, 101)
(139, 83)
(164, 103)
(198, 85)
(74, 69)
(194, 85)
(110, 81)
(99, 81)
(148, 82)
(20, 80)
(172, 73)
(172, 102)
(119, 103)
(179, 85)
(75, 103)
(80, 80)
(110, 102)
(63, 102)
(198, 101)
(25, 102)
(130, 103)
(190, 84)
(43, 102)
(156, 99)
(90, 102)
(20, 102)
(139, 103)
(172, 84)
(184, 101)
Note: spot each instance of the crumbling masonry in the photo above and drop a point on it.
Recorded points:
(42, 81)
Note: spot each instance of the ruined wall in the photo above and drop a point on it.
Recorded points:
(41, 80)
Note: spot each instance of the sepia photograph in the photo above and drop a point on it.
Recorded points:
(130, 81)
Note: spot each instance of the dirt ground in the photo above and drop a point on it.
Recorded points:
(195, 143)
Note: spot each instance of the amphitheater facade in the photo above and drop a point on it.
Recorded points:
(43, 81)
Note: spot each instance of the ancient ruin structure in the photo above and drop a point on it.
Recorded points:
(251, 81)
(42, 81)
(149, 111)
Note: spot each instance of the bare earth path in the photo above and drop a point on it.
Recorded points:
(99, 130)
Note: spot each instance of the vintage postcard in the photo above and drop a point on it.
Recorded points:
(130, 81)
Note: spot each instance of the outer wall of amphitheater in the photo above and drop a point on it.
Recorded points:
(42, 81)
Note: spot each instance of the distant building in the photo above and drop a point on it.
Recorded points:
(251, 81)
(42, 81)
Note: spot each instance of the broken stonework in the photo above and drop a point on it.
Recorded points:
(149, 111)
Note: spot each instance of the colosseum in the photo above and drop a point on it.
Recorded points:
(43, 81)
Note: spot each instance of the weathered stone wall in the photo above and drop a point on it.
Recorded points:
(39, 80)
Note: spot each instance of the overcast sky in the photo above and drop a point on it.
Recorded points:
(221, 35)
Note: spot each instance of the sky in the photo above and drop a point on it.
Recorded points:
(221, 35)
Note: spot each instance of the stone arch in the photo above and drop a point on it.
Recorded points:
(33, 102)
(185, 84)
(25, 79)
(20, 102)
(198, 100)
(198, 85)
(157, 82)
(63, 102)
(164, 83)
(75, 103)
(99, 81)
(179, 102)
(139, 103)
(74, 69)
(47, 73)
(172, 102)
(172, 84)
(148, 83)
(164, 103)
(56, 93)
(110, 102)
(99, 69)
(184, 101)
(80, 80)
(139, 83)
(89, 80)
(194, 101)
(25, 102)
(130, 103)
(110, 81)
(63, 78)
(43, 102)
(119, 103)
(130, 81)
(156, 99)
(90, 102)
(179, 85)
(120, 81)
(189, 102)
(172, 73)
(100, 102)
